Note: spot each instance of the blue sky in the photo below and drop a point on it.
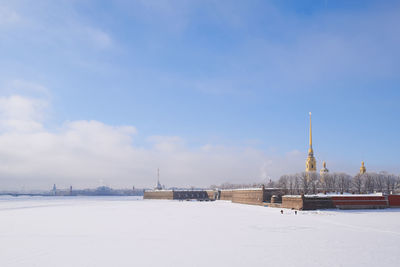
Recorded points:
(232, 75)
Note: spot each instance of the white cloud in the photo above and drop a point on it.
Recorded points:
(167, 143)
(82, 153)
(21, 114)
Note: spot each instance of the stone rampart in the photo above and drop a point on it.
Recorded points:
(191, 194)
(269, 192)
(394, 201)
(226, 195)
(301, 202)
(292, 202)
(263, 196)
(254, 196)
(317, 203)
(248, 196)
(180, 194)
(158, 194)
(341, 202)
(360, 202)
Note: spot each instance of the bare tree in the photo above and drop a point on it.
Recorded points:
(343, 182)
(315, 181)
(379, 181)
(397, 183)
(309, 182)
(293, 184)
(331, 182)
(324, 181)
(290, 183)
(389, 182)
(271, 184)
(369, 182)
(357, 183)
(304, 182)
(283, 183)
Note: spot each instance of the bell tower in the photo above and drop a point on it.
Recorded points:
(362, 168)
(311, 163)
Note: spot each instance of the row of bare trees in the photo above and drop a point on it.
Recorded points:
(235, 186)
(312, 183)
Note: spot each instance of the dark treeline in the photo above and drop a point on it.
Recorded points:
(312, 183)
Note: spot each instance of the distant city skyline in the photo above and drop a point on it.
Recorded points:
(96, 94)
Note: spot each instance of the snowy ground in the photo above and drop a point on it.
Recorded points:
(115, 231)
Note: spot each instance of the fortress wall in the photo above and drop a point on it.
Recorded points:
(269, 192)
(360, 202)
(341, 202)
(179, 194)
(299, 202)
(254, 196)
(315, 203)
(161, 194)
(394, 201)
(250, 196)
(292, 202)
(258, 196)
(226, 195)
(191, 194)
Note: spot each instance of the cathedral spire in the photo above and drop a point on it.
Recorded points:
(310, 149)
(310, 131)
(311, 163)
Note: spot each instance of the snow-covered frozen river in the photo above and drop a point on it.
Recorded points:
(126, 231)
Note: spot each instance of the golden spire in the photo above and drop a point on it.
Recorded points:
(311, 163)
(362, 168)
(310, 150)
(310, 132)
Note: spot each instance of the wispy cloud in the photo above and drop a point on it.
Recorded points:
(84, 152)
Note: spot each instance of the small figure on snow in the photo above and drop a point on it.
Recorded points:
(281, 211)
(295, 212)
